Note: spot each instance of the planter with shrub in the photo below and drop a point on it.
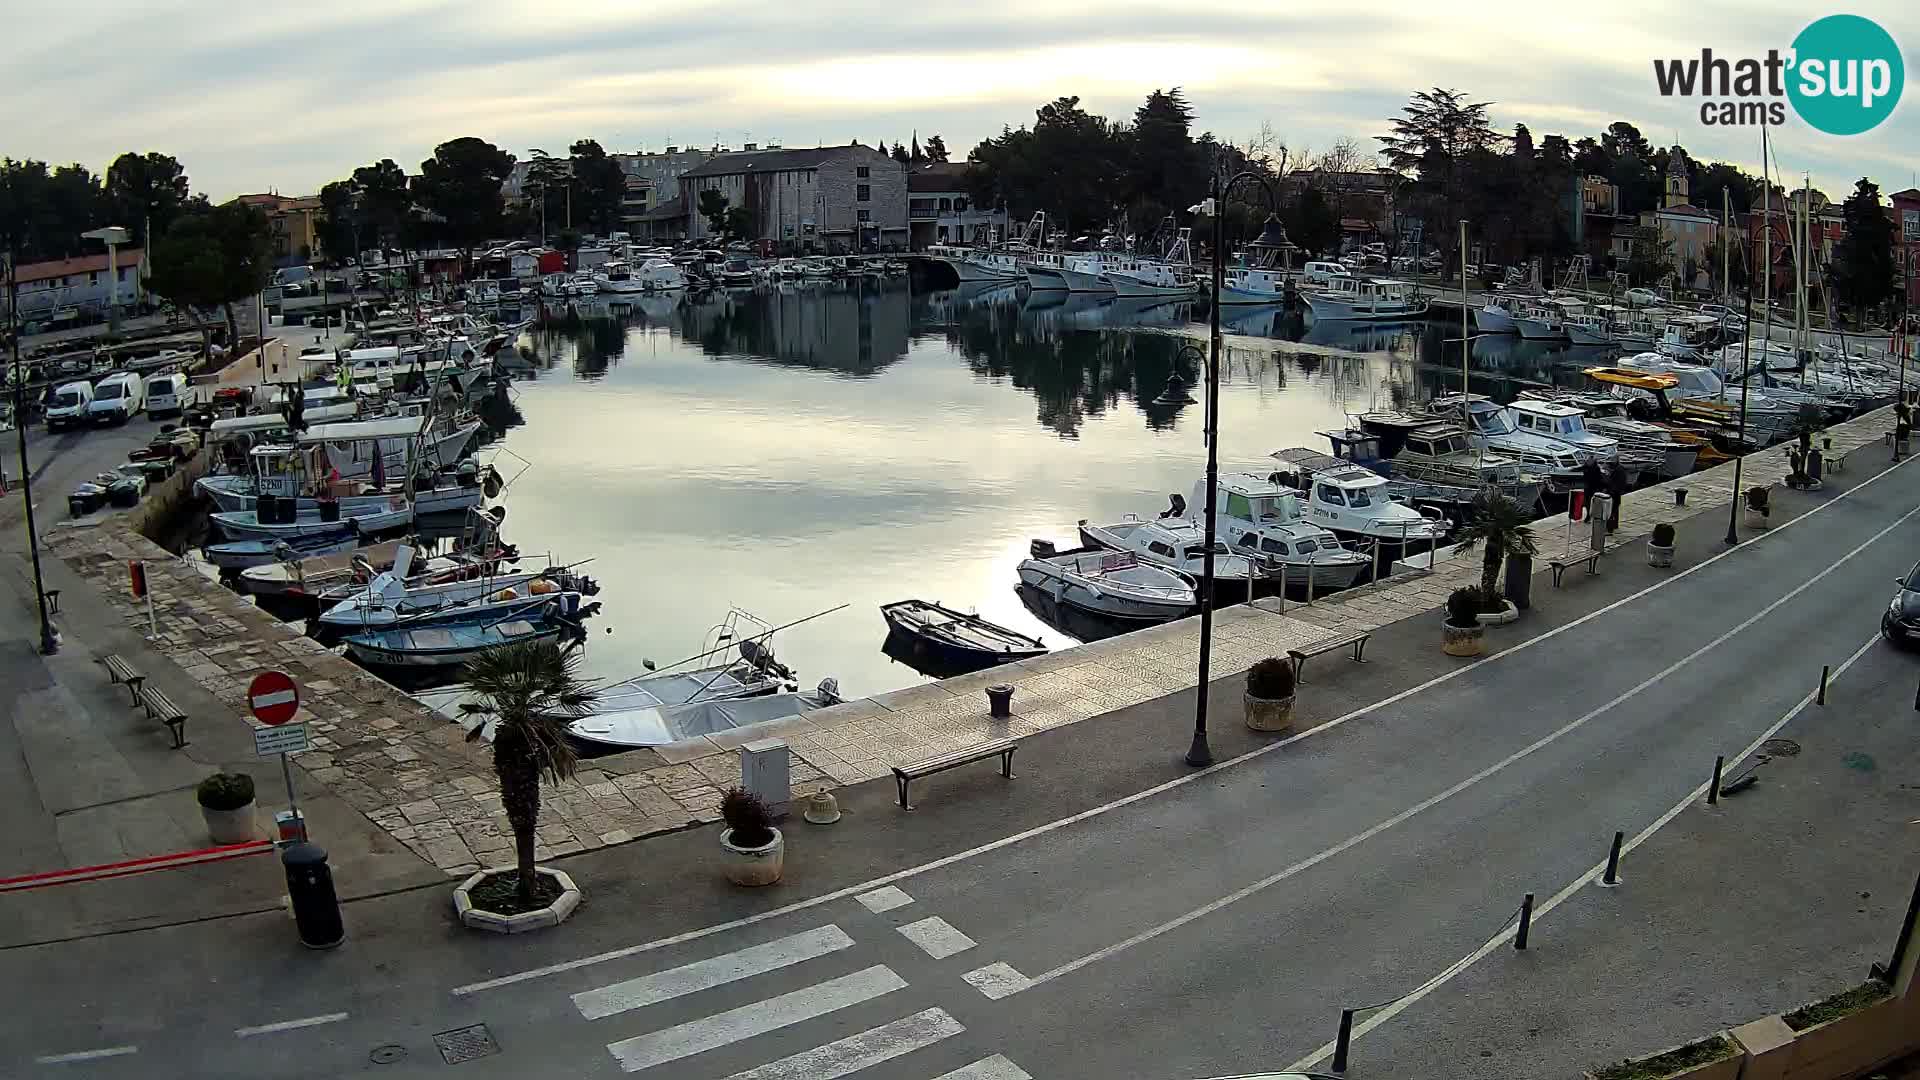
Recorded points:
(1758, 507)
(754, 851)
(1713, 1058)
(1660, 546)
(1460, 632)
(226, 803)
(1269, 697)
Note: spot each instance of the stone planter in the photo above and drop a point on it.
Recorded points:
(1462, 640)
(553, 914)
(753, 867)
(1661, 557)
(1269, 714)
(1507, 613)
(1755, 519)
(231, 826)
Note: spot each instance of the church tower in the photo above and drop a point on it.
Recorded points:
(1676, 178)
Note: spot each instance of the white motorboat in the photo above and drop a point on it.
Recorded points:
(660, 275)
(1688, 337)
(1432, 463)
(246, 524)
(390, 597)
(1364, 299)
(1177, 543)
(1567, 425)
(1084, 272)
(639, 724)
(1491, 427)
(1645, 446)
(401, 442)
(1354, 502)
(1114, 584)
(1257, 515)
(615, 277)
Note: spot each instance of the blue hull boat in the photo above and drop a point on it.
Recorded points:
(241, 554)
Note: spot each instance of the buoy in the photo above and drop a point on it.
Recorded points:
(506, 594)
(543, 587)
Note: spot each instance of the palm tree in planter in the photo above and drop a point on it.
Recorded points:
(1499, 527)
(529, 692)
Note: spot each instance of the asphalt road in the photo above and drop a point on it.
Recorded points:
(1213, 927)
(60, 462)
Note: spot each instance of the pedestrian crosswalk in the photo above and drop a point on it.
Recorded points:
(900, 1047)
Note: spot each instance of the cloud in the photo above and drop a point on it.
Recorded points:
(254, 97)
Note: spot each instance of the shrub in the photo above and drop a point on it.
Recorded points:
(225, 791)
(1706, 1050)
(1844, 1003)
(1271, 678)
(1464, 606)
(747, 815)
(1663, 535)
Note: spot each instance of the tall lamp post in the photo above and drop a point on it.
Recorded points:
(1200, 755)
(49, 643)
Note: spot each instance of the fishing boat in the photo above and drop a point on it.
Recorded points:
(1178, 544)
(1113, 584)
(955, 642)
(1587, 330)
(237, 555)
(318, 571)
(1261, 518)
(1085, 272)
(1362, 299)
(659, 724)
(1043, 270)
(1168, 277)
(1539, 322)
(452, 641)
(269, 521)
(296, 475)
(1496, 316)
(400, 442)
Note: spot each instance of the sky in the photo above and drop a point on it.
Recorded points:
(254, 97)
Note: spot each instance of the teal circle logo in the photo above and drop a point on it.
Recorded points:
(1846, 76)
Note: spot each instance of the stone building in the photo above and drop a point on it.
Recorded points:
(820, 199)
(940, 210)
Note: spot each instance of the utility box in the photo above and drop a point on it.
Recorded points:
(764, 770)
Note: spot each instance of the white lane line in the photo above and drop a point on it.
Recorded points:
(747, 1021)
(1595, 871)
(86, 1055)
(706, 974)
(996, 981)
(1434, 800)
(936, 937)
(855, 1052)
(290, 1025)
(989, 1068)
(1158, 789)
(886, 899)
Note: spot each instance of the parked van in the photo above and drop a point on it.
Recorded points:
(68, 409)
(117, 398)
(167, 394)
(1318, 273)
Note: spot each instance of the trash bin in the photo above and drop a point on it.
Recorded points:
(316, 910)
(1519, 583)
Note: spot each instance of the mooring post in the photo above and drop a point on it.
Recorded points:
(1825, 671)
(1526, 922)
(1713, 789)
(1612, 877)
(1341, 1043)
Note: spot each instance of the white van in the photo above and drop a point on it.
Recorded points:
(117, 398)
(69, 406)
(167, 394)
(1317, 273)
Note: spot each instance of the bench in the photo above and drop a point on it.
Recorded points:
(906, 774)
(120, 671)
(1339, 641)
(1559, 566)
(160, 707)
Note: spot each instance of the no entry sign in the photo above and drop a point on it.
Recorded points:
(273, 697)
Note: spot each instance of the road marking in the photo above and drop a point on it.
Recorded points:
(1593, 872)
(747, 1021)
(855, 1052)
(86, 1055)
(991, 1068)
(1434, 800)
(290, 1025)
(1158, 789)
(706, 974)
(996, 980)
(886, 899)
(936, 937)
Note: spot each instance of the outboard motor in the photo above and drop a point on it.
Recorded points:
(828, 691)
(1176, 507)
(468, 472)
(1041, 549)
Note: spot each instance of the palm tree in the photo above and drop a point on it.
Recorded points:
(529, 692)
(1500, 524)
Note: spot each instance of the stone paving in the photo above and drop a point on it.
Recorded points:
(412, 772)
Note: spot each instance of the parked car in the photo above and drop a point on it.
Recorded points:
(1901, 623)
(68, 409)
(167, 394)
(1642, 297)
(117, 398)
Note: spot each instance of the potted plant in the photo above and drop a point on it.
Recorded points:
(1460, 632)
(1660, 546)
(226, 802)
(527, 694)
(1498, 525)
(1757, 507)
(755, 850)
(1269, 698)
(1715, 1057)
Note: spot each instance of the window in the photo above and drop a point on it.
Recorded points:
(1358, 497)
(93, 277)
(862, 171)
(108, 391)
(1238, 507)
(1163, 550)
(864, 215)
(960, 206)
(863, 193)
(1308, 547)
(1330, 494)
(946, 206)
(1274, 547)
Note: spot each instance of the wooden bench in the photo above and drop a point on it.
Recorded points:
(1559, 566)
(906, 774)
(1339, 641)
(120, 671)
(160, 707)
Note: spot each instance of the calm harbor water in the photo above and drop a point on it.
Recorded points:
(789, 449)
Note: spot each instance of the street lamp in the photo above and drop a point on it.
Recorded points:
(1200, 754)
(49, 642)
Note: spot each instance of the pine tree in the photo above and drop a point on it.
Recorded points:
(1863, 267)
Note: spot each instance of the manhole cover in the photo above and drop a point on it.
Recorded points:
(387, 1055)
(465, 1044)
(1780, 747)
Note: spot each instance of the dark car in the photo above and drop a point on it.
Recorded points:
(1901, 623)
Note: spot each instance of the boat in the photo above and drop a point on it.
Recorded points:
(1433, 463)
(1699, 393)
(615, 277)
(1257, 515)
(453, 640)
(1645, 393)
(1657, 448)
(1112, 584)
(269, 521)
(1355, 503)
(736, 271)
(1364, 299)
(660, 724)
(660, 275)
(403, 443)
(1267, 275)
(1085, 272)
(236, 555)
(1496, 316)
(295, 474)
(1178, 544)
(955, 642)
(317, 570)
(1587, 330)
(1539, 322)
(1567, 425)
(1168, 277)
(1490, 427)
(1043, 270)
(393, 596)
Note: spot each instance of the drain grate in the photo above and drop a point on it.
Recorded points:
(465, 1044)
(1780, 748)
(387, 1055)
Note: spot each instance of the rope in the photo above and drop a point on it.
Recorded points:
(1453, 969)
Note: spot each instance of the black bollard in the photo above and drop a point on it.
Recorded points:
(316, 910)
(1612, 877)
(1526, 922)
(1713, 789)
(1344, 1040)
